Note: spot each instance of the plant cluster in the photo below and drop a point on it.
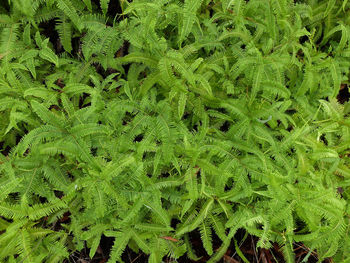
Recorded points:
(173, 116)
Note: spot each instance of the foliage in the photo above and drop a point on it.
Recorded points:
(173, 117)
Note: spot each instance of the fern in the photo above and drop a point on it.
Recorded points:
(169, 119)
(68, 9)
(121, 240)
(189, 17)
(65, 32)
(206, 237)
(9, 35)
(104, 6)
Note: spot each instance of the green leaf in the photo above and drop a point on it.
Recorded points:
(26, 35)
(68, 9)
(104, 6)
(64, 30)
(182, 104)
(189, 18)
(45, 115)
(88, 4)
(120, 243)
(139, 58)
(47, 54)
(206, 238)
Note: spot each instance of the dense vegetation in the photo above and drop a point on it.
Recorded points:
(148, 121)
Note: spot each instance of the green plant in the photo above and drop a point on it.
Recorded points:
(173, 117)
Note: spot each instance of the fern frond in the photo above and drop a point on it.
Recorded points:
(120, 243)
(205, 231)
(104, 6)
(189, 18)
(9, 36)
(69, 10)
(46, 115)
(65, 32)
